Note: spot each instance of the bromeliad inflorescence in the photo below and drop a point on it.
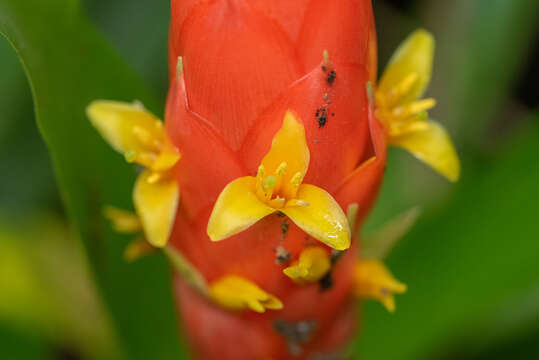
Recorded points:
(277, 142)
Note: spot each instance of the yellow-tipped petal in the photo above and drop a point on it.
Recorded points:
(289, 145)
(236, 209)
(430, 143)
(236, 293)
(128, 128)
(312, 265)
(156, 203)
(373, 280)
(321, 217)
(123, 221)
(414, 56)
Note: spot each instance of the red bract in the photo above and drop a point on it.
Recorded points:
(245, 64)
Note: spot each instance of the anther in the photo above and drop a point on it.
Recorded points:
(261, 172)
(296, 180)
(402, 88)
(143, 136)
(281, 169)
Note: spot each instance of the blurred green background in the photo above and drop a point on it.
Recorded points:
(471, 261)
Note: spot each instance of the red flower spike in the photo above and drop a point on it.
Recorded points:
(247, 63)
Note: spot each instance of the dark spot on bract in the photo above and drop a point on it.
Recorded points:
(280, 214)
(331, 77)
(326, 282)
(285, 225)
(321, 116)
(282, 255)
(295, 333)
(335, 256)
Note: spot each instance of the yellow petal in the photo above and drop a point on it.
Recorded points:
(156, 203)
(430, 143)
(312, 265)
(373, 280)
(236, 293)
(289, 145)
(123, 221)
(414, 56)
(128, 128)
(236, 209)
(321, 217)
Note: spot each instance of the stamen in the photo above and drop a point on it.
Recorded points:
(402, 89)
(422, 105)
(146, 138)
(268, 185)
(260, 173)
(281, 170)
(296, 180)
(413, 108)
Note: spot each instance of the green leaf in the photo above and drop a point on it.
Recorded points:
(54, 297)
(463, 263)
(499, 37)
(69, 64)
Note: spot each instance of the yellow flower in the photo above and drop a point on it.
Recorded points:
(313, 264)
(236, 293)
(373, 280)
(405, 116)
(278, 187)
(139, 136)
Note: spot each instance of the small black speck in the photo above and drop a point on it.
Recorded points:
(326, 282)
(331, 77)
(284, 227)
(282, 255)
(322, 119)
(324, 68)
(280, 214)
(332, 114)
(335, 256)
